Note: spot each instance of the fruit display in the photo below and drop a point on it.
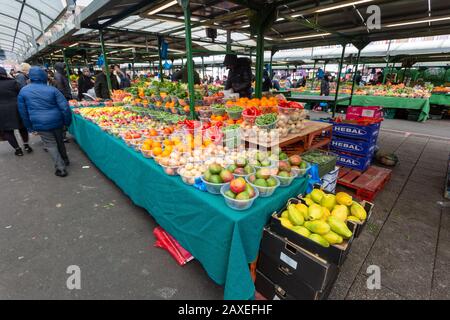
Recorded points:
(215, 177)
(322, 217)
(399, 90)
(238, 194)
(284, 173)
(264, 181)
(291, 116)
(299, 166)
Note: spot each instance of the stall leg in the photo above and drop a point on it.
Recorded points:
(105, 57)
(341, 62)
(190, 66)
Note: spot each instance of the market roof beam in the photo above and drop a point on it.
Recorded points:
(19, 18)
(209, 22)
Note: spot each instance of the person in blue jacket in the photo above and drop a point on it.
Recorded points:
(44, 110)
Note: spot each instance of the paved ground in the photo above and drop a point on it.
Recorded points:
(48, 224)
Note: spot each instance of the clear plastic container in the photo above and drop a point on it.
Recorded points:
(264, 192)
(234, 115)
(170, 170)
(187, 179)
(147, 153)
(302, 172)
(244, 175)
(239, 205)
(218, 111)
(286, 181)
(270, 126)
(213, 188)
(205, 113)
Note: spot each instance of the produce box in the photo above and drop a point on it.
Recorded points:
(291, 266)
(272, 291)
(329, 181)
(353, 161)
(334, 254)
(357, 112)
(325, 160)
(354, 131)
(358, 147)
(359, 226)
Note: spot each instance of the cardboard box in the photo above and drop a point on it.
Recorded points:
(272, 291)
(335, 254)
(290, 265)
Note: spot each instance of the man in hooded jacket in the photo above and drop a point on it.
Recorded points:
(61, 81)
(240, 75)
(44, 109)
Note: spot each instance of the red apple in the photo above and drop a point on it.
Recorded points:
(238, 185)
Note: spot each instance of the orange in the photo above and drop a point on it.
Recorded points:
(156, 144)
(157, 151)
(168, 142)
(166, 153)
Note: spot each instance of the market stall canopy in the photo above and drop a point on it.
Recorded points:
(299, 24)
(22, 22)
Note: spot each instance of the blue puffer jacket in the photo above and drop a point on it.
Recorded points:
(42, 107)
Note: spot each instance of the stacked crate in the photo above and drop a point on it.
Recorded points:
(354, 144)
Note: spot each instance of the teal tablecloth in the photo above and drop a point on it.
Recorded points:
(223, 240)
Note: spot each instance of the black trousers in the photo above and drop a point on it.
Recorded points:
(9, 136)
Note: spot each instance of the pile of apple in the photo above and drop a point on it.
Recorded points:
(263, 178)
(240, 190)
(217, 174)
(241, 167)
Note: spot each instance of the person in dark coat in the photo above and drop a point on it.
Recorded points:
(121, 77)
(267, 82)
(325, 85)
(22, 74)
(240, 75)
(101, 85)
(182, 75)
(44, 109)
(85, 83)
(9, 114)
(61, 81)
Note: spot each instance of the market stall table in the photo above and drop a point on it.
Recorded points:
(440, 99)
(307, 136)
(422, 104)
(224, 241)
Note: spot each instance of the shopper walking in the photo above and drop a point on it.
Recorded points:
(62, 83)
(22, 74)
(85, 83)
(45, 110)
(9, 114)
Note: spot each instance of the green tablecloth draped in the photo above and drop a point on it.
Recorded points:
(386, 102)
(223, 240)
(440, 99)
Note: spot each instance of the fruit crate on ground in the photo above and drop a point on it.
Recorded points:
(367, 184)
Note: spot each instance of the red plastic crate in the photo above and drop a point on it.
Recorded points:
(367, 184)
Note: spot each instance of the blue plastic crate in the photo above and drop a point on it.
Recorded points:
(353, 131)
(358, 147)
(353, 161)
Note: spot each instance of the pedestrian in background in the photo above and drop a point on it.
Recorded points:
(44, 110)
(61, 81)
(22, 74)
(9, 114)
(85, 83)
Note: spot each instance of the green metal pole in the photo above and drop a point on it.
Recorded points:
(270, 65)
(203, 67)
(161, 78)
(107, 71)
(190, 65)
(259, 61)
(354, 77)
(228, 41)
(338, 79)
(314, 75)
(66, 62)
